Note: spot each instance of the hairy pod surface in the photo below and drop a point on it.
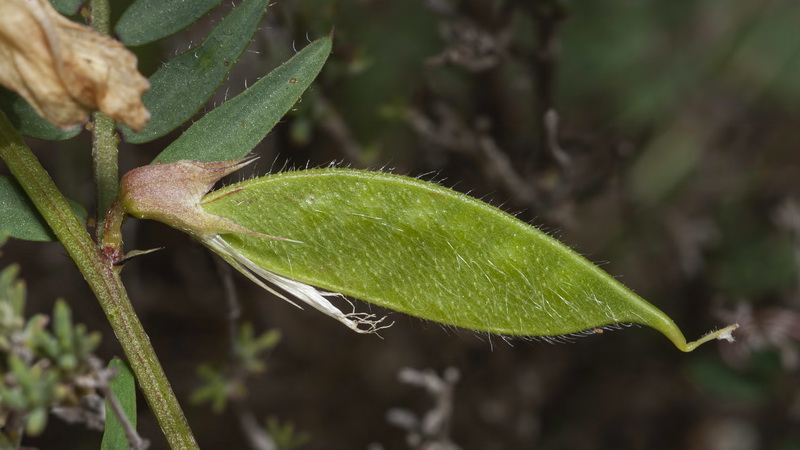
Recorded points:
(428, 251)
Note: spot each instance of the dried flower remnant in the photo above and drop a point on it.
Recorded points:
(66, 70)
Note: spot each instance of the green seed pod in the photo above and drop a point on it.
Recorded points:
(417, 248)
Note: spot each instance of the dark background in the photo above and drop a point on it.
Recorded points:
(675, 162)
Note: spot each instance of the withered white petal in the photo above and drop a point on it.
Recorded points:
(360, 322)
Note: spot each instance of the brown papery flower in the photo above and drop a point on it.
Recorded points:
(66, 70)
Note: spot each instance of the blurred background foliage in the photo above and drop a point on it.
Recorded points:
(661, 137)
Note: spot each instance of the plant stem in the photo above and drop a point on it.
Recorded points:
(106, 166)
(100, 16)
(105, 140)
(99, 272)
(105, 280)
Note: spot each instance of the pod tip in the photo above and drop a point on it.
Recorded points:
(724, 334)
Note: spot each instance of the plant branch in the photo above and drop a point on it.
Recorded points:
(99, 272)
(104, 136)
(100, 16)
(106, 166)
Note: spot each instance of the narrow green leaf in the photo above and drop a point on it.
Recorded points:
(28, 122)
(150, 20)
(182, 85)
(124, 388)
(234, 128)
(12, 292)
(20, 218)
(427, 251)
(62, 326)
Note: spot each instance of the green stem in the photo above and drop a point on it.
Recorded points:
(99, 272)
(105, 140)
(106, 166)
(100, 16)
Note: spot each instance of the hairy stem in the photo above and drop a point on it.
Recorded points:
(99, 272)
(105, 280)
(106, 166)
(100, 16)
(105, 140)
